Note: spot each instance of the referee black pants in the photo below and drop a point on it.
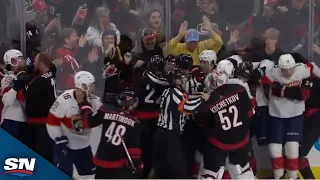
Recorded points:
(149, 127)
(169, 158)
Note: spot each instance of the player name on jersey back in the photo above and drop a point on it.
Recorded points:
(225, 102)
(119, 118)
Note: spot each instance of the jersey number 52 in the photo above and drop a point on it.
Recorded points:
(225, 115)
(115, 133)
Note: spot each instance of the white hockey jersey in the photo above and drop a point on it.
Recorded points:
(283, 107)
(65, 119)
(13, 109)
(261, 97)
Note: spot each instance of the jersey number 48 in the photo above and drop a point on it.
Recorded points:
(115, 133)
(225, 116)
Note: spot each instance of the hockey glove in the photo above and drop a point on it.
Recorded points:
(256, 75)
(22, 80)
(62, 146)
(277, 89)
(291, 90)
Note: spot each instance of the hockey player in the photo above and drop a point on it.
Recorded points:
(230, 108)
(192, 133)
(66, 127)
(13, 114)
(208, 60)
(169, 161)
(305, 90)
(286, 116)
(170, 63)
(118, 154)
(150, 89)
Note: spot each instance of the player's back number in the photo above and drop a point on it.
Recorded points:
(225, 116)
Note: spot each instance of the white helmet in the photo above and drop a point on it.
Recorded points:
(225, 66)
(267, 64)
(12, 54)
(236, 58)
(83, 78)
(215, 79)
(286, 61)
(208, 56)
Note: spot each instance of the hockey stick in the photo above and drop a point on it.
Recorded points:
(128, 155)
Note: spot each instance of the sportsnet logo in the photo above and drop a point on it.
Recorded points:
(19, 166)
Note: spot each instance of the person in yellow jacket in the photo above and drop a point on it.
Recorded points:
(192, 45)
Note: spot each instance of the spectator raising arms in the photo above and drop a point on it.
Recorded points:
(70, 59)
(192, 45)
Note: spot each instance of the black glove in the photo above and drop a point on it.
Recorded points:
(256, 75)
(22, 80)
(62, 146)
(277, 89)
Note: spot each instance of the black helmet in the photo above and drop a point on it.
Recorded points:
(171, 59)
(156, 65)
(127, 98)
(175, 74)
(33, 36)
(198, 74)
(244, 70)
(185, 61)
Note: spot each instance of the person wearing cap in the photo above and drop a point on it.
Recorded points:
(192, 45)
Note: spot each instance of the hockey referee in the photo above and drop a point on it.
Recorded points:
(169, 160)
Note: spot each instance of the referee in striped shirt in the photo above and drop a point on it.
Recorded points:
(169, 159)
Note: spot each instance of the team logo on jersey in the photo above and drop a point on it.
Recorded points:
(77, 124)
(202, 31)
(109, 70)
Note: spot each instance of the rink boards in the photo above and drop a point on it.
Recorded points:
(262, 156)
(264, 164)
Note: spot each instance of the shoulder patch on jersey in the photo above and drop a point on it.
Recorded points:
(55, 106)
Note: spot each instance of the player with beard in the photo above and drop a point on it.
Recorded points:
(118, 154)
(65, 127)
(39, 95)
(15, 79)
(150, 89)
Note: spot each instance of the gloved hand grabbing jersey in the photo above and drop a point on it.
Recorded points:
(292, 90)
(21, 81)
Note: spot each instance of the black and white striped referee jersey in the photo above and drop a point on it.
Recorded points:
(173, 105)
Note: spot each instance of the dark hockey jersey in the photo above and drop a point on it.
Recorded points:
(228, 111)
(149, 94)
(119, 131)
(39, 95)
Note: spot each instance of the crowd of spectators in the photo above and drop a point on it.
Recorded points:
(95, 35)
(113, 39)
